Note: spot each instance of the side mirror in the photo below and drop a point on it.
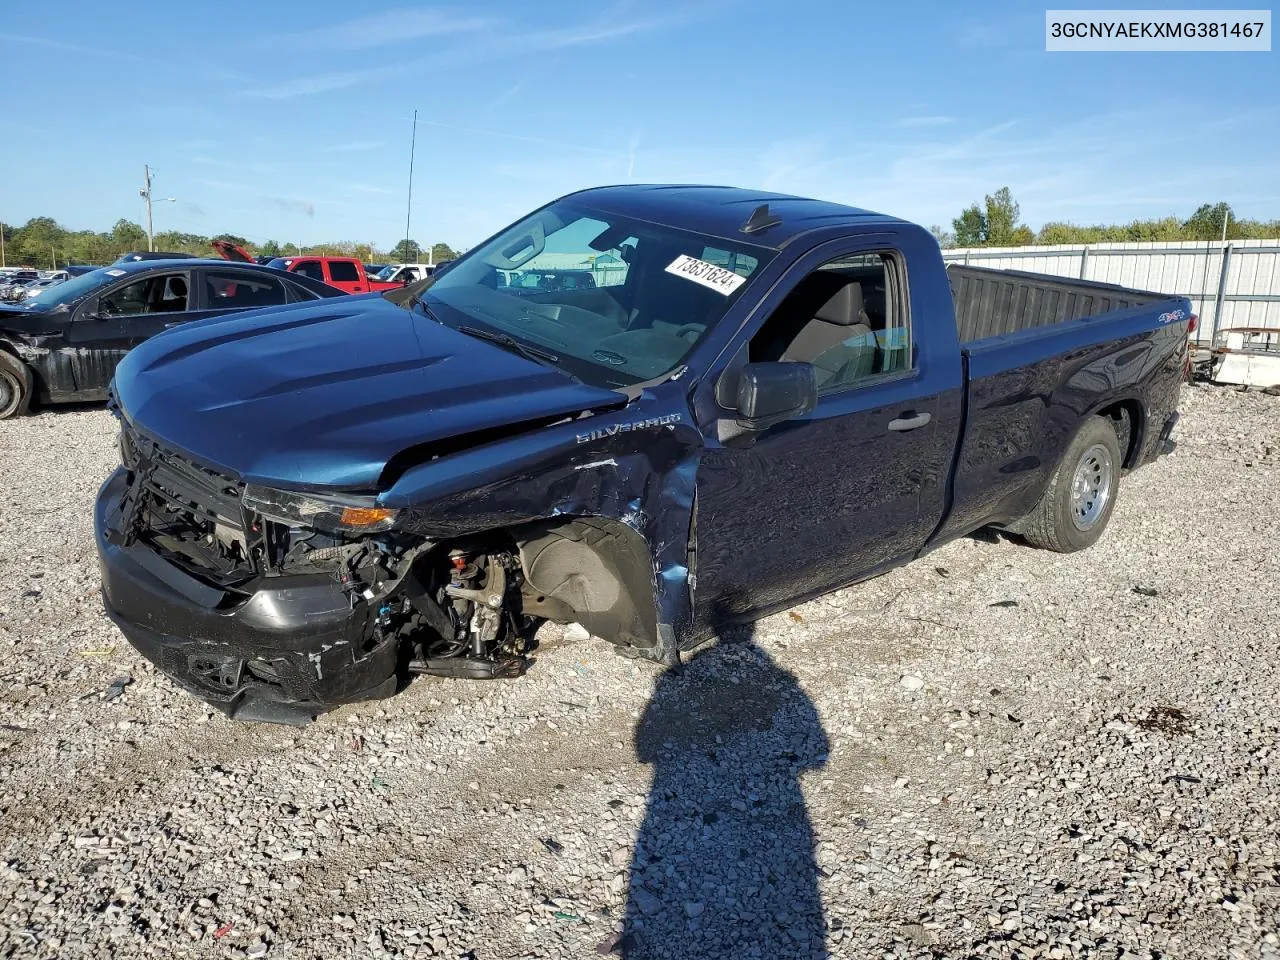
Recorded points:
(769, 393)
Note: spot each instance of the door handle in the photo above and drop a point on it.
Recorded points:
(910, 421)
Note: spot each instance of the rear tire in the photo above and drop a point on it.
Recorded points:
(1076, 507)
(15, 387)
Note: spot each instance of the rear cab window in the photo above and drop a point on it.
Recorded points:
(309, 268)
(343, 271)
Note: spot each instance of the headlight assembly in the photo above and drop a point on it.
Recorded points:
(331, 514)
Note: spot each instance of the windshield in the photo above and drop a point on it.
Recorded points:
(386, 273)
(69, 291)
(618, 301)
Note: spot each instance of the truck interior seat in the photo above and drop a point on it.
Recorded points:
(823, 322)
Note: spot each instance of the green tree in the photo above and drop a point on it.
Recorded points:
(440, 252)
(1208, 220)
(970, 227)
(270, 249)
(127, 235)
(1002, 213)
(1057, 233)
(406, 251)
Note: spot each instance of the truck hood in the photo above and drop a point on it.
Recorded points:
(325, 394)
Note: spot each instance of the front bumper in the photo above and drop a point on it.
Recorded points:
(283, 652)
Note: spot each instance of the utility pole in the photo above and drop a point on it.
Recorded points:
(408, 214)
(145, 193)
(2, 263)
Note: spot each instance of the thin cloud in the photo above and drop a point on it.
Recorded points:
(391, 26)
(354, 146)
(109, 53)
(937, 121)
(495, 45)
(123, 56)
(505, 96)
(323, 83)
(515, 136)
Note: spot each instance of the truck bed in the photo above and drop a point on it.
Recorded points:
(990, 302)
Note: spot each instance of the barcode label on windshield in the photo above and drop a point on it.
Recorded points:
(708, 274)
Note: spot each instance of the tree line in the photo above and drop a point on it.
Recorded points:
(995, 223)
(44, 243)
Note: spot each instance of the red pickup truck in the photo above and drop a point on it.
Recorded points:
(345, 273)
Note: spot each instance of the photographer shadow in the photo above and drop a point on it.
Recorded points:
(724, 863)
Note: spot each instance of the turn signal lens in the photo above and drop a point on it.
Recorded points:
(359, 517)
(1193, 323)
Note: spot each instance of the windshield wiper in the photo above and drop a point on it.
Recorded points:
(505, 340)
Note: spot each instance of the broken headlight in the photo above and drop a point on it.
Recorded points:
(331, 514)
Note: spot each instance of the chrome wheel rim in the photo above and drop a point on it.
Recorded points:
(1091, 487)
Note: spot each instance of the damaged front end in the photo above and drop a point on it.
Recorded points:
(276, 605)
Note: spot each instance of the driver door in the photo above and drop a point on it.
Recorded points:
(857, 484)
(104, 329)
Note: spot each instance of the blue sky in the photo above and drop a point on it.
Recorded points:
(292, 121)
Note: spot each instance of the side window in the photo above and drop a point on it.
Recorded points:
(163, 293)
(849, 318)
(310, 268)
(239, 291)
(343, 271)
(301, 293)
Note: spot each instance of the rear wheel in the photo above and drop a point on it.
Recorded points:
(1077, 505)
(15, 387)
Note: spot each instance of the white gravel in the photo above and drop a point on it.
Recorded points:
(900, 769)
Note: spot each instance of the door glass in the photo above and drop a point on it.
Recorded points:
(238, 291)
(165, 293)
(848, 318)
(310, 268)
(343, 271)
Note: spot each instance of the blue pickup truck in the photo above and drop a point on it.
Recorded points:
(760, 399)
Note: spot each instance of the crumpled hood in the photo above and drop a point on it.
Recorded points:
(324, 394)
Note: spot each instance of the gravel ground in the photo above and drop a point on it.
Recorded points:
(995, 752)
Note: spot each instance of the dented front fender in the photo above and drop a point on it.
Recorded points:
(634, 466)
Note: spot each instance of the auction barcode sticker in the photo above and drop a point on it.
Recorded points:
(708, 274)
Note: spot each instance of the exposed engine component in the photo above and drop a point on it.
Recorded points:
(476, 615)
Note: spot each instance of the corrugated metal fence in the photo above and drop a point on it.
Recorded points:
(1236, 284)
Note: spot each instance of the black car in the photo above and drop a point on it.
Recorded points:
(63, 344)
(133, 256)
